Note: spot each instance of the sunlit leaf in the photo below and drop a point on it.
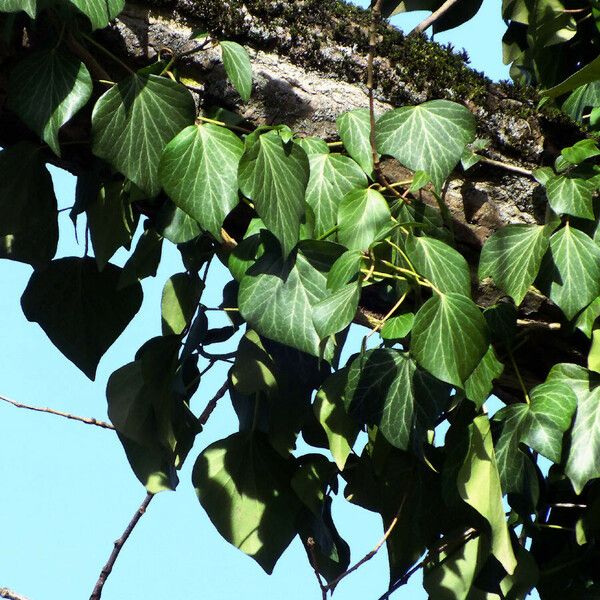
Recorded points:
(354, 128)
(238, 68)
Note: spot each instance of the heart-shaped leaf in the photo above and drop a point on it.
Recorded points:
(512, 257)
(133, 121)
(332, 176)
(46, 89)
(244, 486)
(274, 175)
(430, 137)
(354, 128)
(99, 12)
(570, 196)
(199, 171)
(449, 337)
(82, 310)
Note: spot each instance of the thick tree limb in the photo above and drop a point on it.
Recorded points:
(10, 595)
(434, 16)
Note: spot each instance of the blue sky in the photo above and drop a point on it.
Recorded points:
(67, 488)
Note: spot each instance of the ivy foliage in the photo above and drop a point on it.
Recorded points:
(317, 240)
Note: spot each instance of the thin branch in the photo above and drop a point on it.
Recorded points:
(108, 53)
(10, 595)
(108, 567)
(310, 542)
(506, 166)
(87, 420)
(367, 557)
(96, 69)
(203, 418)
(434, 16)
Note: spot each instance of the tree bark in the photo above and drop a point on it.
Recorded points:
(309, 61)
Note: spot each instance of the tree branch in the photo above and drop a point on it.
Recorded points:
(433, 17)
(106, 570)
(10, 595)
(87, 420)
(203, 418)
(310, 542)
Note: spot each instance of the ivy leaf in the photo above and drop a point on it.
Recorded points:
(274, 175)
(312, 145)
(332, 176)
(199, 171)
(593, 359)
(439, 263)
(175, 225)
(46, 89)
(386, 388)
(570, 196)
(479, 486)
(244, 486)
(111, 222)
(344, 270)
(82, 310)
(354, 128)
(550, 413)
(238, 68)
(361, 216)
(583, 458)
(512, 257)
(398, 327)
(99, 12)
(480, 383)
(570, 273)
(133, 121)
(28, 211)
(277, 297)
(449, 337)
(588, 74)
(430, 137)
(586, 320)
(335, 312)
(340, 428)
(144, 260)
(12, 6)
(180, 298)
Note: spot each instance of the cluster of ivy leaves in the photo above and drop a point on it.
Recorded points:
(307, 234)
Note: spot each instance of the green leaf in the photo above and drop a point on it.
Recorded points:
(274, 175)
(480, 383)
(439, 263)
(277, 297)
(354, 128)
(570, 196)
(175, 225)
(238, 68)
(199, 171)
(512, 257)
(155, 425)
(12, 6)
(133, 121)
(244, 486)
(583, 459)
(398, 327)
(312, 145)
(111, 222)
(340, 428)
(580, 151)
(82, 310)
(386, 388)
(479, 486)
(430, 137)
(46, 90)
(344, 270)
(99, 12)
(361, 215)
(570, 273)
(332, 176)
(587, 318)
(551, 411)
(335, 312)
(588, 74)
(144, 260)
(180, 298)
(449, 337)
(28, 212)
(593, 360)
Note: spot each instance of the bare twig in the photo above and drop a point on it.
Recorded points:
(434, 16)
(10, 595)
(108, 567)
(372, 552)
(87, 420)
(310, 542)
(203, 418)
(506, 166)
